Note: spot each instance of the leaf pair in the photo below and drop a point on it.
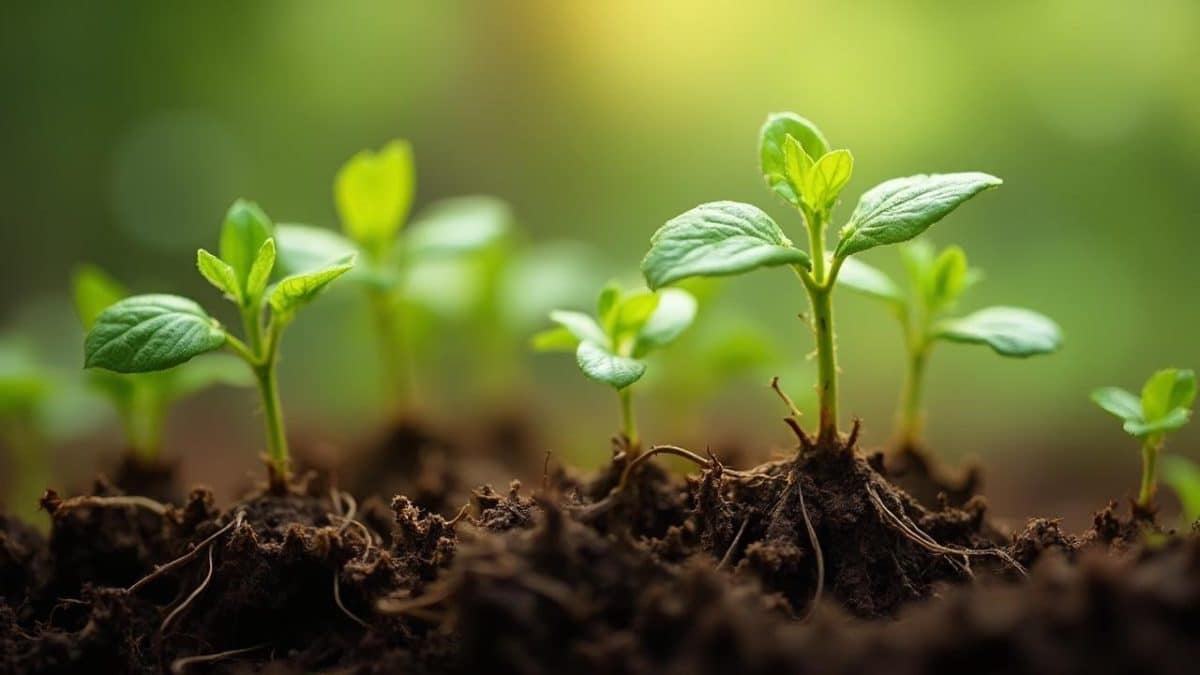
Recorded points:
(937, 282)
(629, 327)
(1164, 406)
(723, 238)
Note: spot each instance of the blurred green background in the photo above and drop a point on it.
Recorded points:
(128, 128)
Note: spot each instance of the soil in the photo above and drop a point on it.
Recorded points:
(817, 562)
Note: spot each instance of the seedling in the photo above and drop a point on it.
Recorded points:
(1165, 405)
(1183, 475)
(143, 400)
(725, 238)
(150, 333)
(936, 282)
(611, 348)
(373, 192)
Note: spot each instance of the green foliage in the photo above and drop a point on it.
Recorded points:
(717, 239)
(373, 192)
(725, 238)
(142, 400)
(611, 347)
(24, 386)
(936, 283)
(149, 334)
(1164, 406)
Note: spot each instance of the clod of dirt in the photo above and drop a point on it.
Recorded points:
(928, 480)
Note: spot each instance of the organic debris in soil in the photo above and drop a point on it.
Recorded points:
(781, 568)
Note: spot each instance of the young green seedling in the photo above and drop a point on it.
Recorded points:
(149, 333)
(142, 400)
(724, 238)
(1183, 475)
(373, 192)
(1165, 405)
(936, 282)
(611, 348)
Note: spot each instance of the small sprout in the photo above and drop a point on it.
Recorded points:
(151, 333)
(936, 282)
(611, 347)
(725, 238)
(373, 192)
(1165, 406)
(1183, 475)
(142, 400)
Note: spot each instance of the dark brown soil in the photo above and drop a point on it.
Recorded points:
(812, 563)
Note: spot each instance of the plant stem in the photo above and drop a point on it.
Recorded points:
(820, 292)
(1150, 448)
(277, 448)
(628, 424)
(144, 418)
(910, 413)
(391, 347)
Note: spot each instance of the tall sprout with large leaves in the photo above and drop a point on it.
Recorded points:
(373, 192)
(724, 238)
(151, 333)
(142, 400)
(936, 282)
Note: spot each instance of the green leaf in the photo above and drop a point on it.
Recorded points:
(634, 310)
(717, 239)
(557, 339)
(869, 281)
(606, 305)
(260, 271)
(946, 280)
(918, 257)
(304, 248)
(899, 209)
(374, 192)
(458, 226)
(582, 326)
(1183, 475)
(817, 181)
(1118, 402)
(1167, 390)
(246, 228)
(1172, 421)
(221, 275)
(771, 142)
(150, 332)
(94, 291)
(603, 366)
(675, 311)
(299, 289)
(1010, 331)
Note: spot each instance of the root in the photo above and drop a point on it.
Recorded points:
(816, 544)
(191, 597)
(462, 513)
(415, 606)
(186, 557)
(55, 505)
(733, 546)
(178, 666)
(914, 533)
(337, 598)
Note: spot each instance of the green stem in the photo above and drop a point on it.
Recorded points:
(261, 355)
(391, 344)
(628, 424)
(144, 421)
(911, 415)
(1150, 448)
(820, 295)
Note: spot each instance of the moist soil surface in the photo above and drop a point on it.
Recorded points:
(818, 562)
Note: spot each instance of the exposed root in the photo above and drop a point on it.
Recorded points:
(416, 607)
(186, 557)
(178, 666)
(191, 596)
(914, 533)
(816, 544)
(462, 513)
(53, 504)
(733, 546)
(337, 598)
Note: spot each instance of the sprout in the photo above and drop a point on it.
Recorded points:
(936, 282)
(725, 238)
(373, 192)
(150, 333)
(1165, 406)
(143, 400)
(611, 348)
